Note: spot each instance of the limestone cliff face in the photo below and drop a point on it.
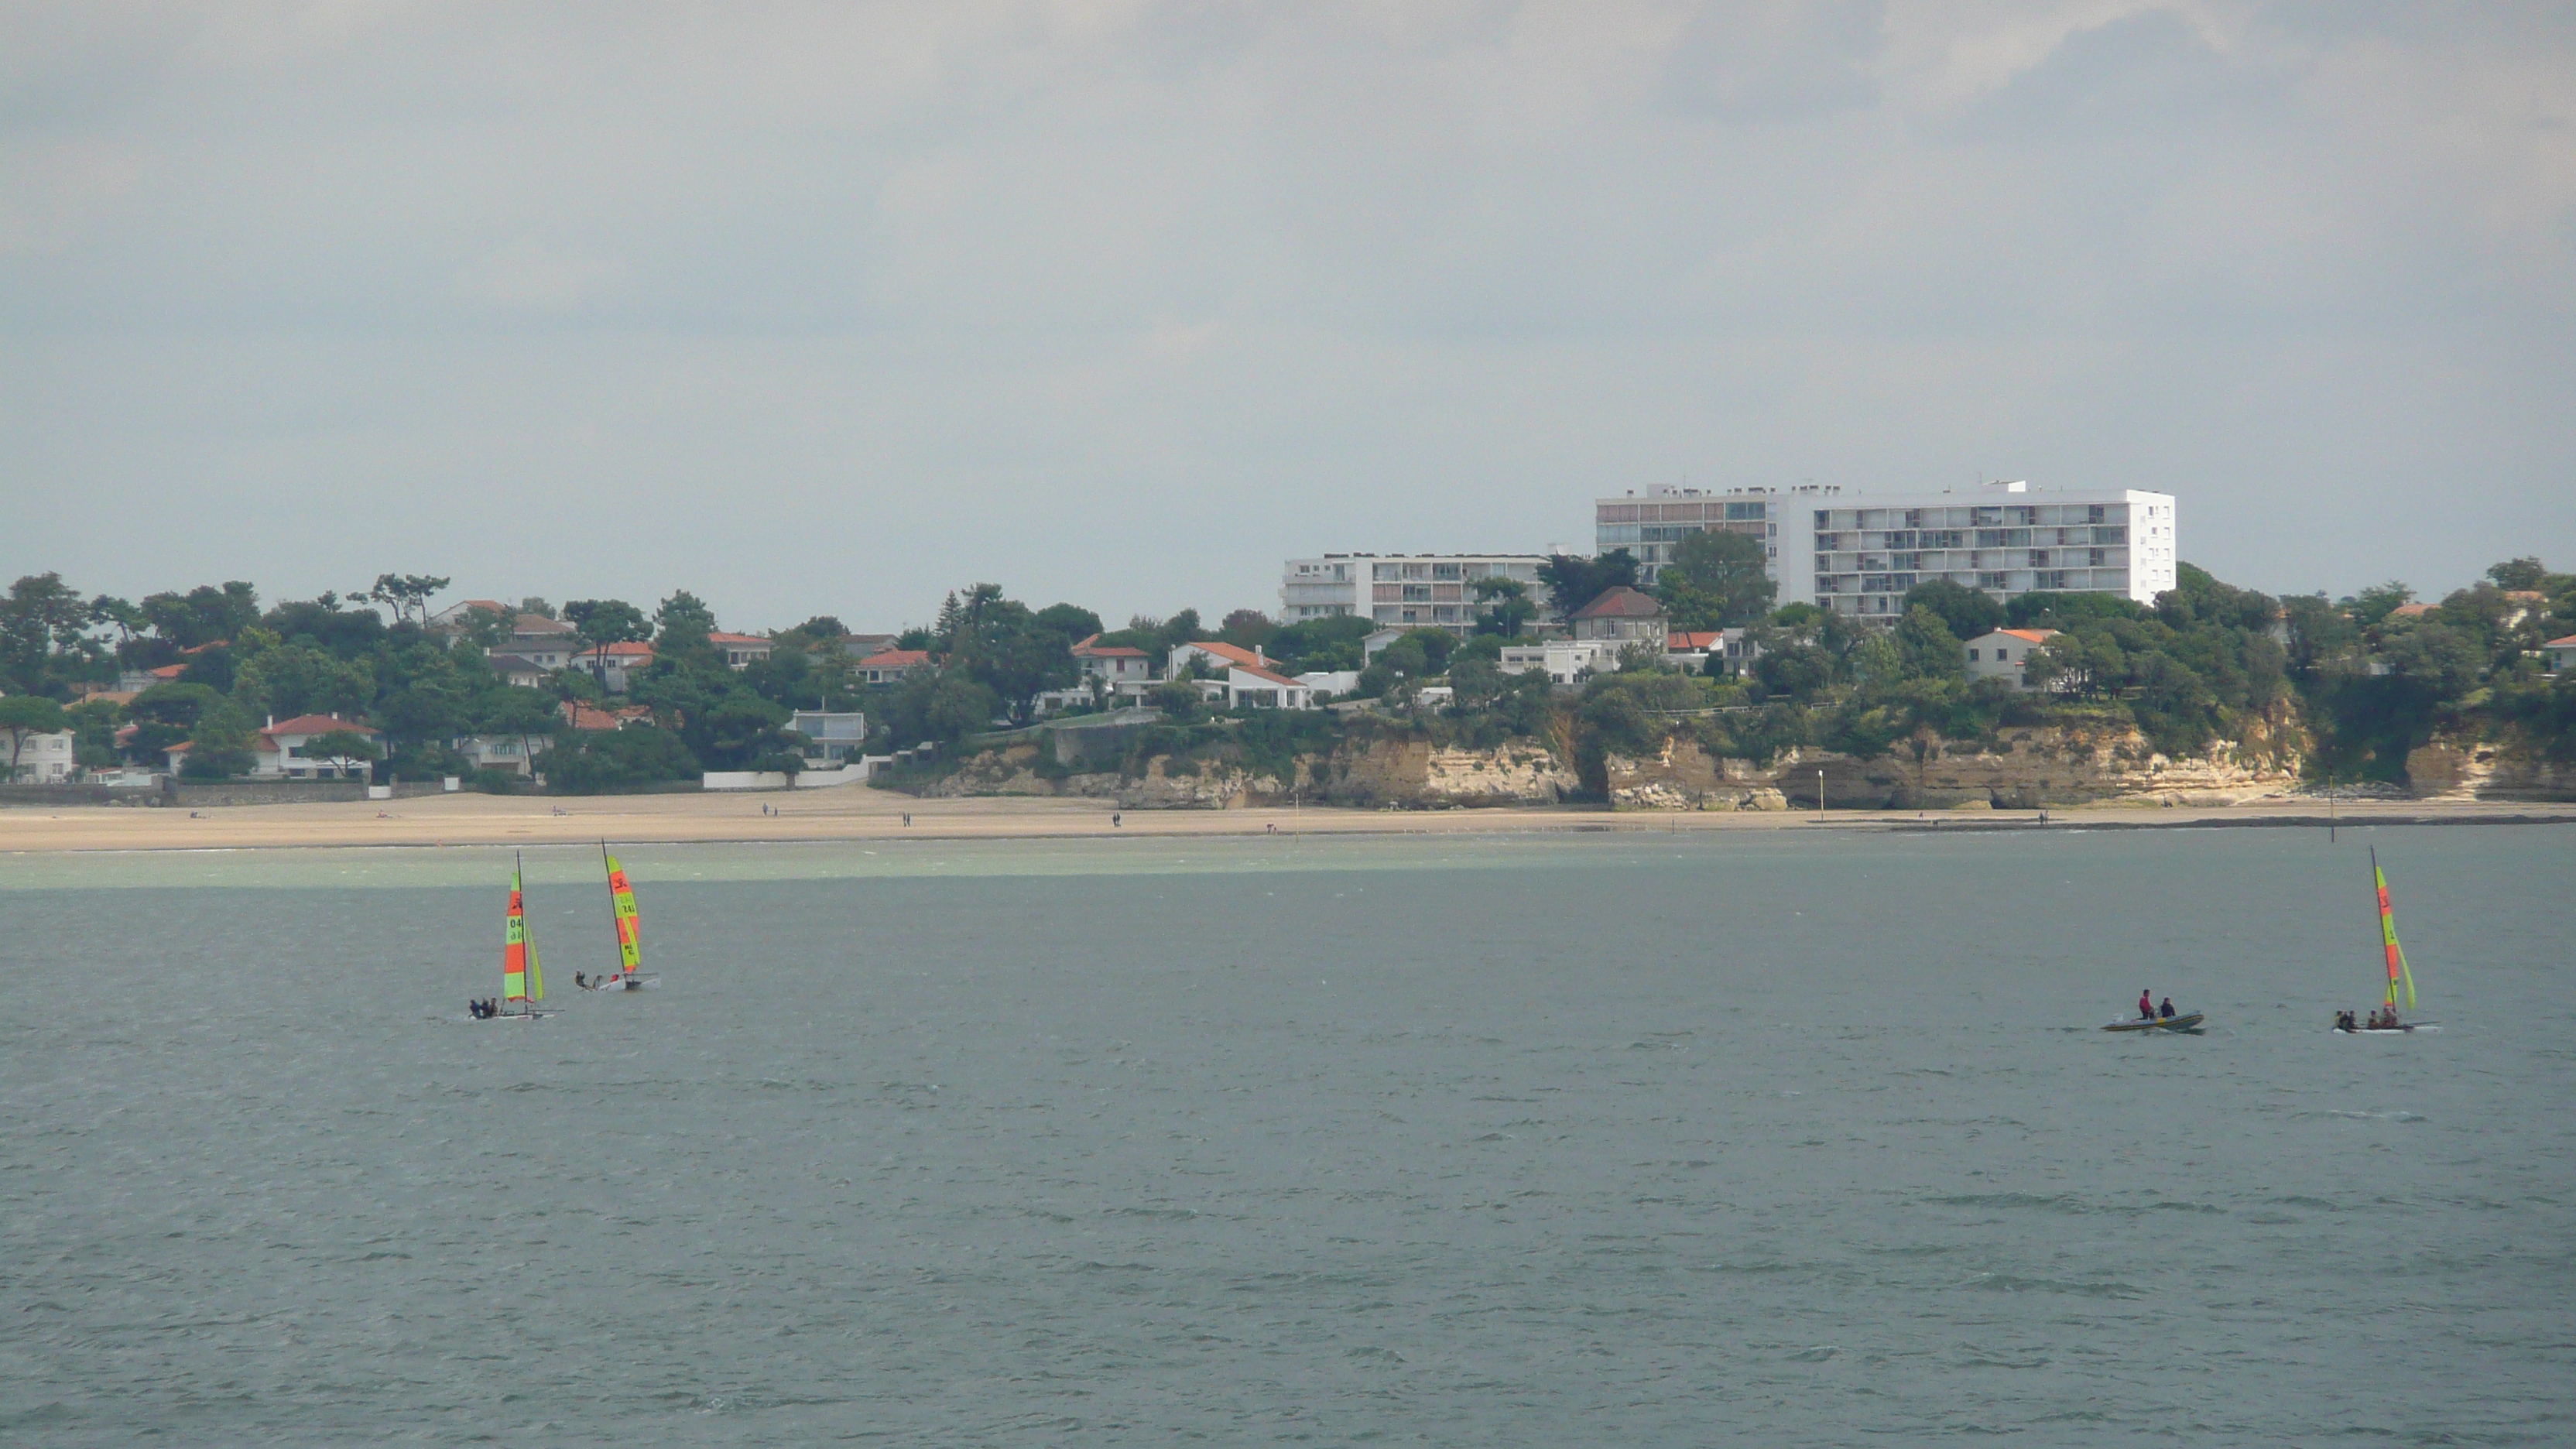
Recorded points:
(1416, 773)
(2020, 769)
(1408, 774)
(2452, 769)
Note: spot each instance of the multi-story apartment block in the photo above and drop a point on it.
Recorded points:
(1858, 553)
(1402, 590)
(1648, 525)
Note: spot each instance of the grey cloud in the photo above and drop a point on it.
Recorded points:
(835, 307)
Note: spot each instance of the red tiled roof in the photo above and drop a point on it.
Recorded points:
(313, 724)
(1621, 603)
(2567, 643)
(1683, 640)
(896, 659)
(2032, 636)
(582, 717)
(1257, 672)
(1088, 650)
(713, 637)
(2410, 611)
(540, 624)
(167, 671)
(630, 648)
(1226, 652)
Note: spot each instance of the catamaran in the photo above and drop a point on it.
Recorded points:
(523, 981)
(630, 931)
(2385, 1021)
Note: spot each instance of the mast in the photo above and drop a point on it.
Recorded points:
(608, 877)
(536, 973)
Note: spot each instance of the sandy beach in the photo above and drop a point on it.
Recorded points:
(864, 814)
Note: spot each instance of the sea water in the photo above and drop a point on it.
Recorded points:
(1788, 1138)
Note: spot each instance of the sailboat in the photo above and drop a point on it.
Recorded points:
(630, 931)
(523, 980)
(2385, 1022)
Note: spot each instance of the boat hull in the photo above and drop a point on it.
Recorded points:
(2185, 1022)
(2409, 1029)
(625, 983)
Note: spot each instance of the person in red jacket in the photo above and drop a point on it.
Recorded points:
(2146, 1005)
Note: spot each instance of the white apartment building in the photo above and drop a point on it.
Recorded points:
(1858, 553)
(1407, 590)
(1648, 524)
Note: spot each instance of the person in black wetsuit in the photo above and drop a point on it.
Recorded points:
(2165, 1012)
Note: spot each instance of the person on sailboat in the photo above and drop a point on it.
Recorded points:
(2146, 1007)
(2165, 1012)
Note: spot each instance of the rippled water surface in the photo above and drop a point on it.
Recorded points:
(1620, 1139)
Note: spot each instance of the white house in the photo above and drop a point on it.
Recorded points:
(1251, 687)
(739, 650)
(835, 737)
(892, 665)
(525, 673)
(42, 759)
(2561, 652)
(543, 642)
(514, 753)
(1563, 661)
(1112, 664)
(2005, 653)
(1214, 657)
(1624, 614)
(278, 751)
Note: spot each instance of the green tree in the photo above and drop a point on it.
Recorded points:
(1247, 628)
(685, 613)
(164, 715)
(1071, 620)
(1965, 612)
(2519, 573)
(341, 749)
(2377, 602)
(1573, 582)
(406, 594)
(220, 746)
(297, 679)
(41, 616)
(1716, 580)
(22, 715)
(1506, 605)
(598, 623)
(1928, 648)
(1329, 643)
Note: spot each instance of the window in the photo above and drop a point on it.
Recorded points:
(1736, 512)
(2003, 656)
(1444, 571)
(1972, 656)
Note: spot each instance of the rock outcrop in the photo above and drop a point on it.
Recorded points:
(2450, 769)
(1405, 774)
(2019, 769)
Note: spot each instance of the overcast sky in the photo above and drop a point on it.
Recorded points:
(836, 307)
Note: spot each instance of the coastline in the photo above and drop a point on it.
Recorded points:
(861, 814)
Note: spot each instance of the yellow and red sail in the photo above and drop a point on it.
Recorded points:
(630, 927)
(2397, 972)
(514, 946)
(521, 978)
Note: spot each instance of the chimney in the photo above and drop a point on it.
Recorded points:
(1260, 658)
(272, 721)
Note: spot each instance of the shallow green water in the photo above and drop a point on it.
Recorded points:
(1631, 1139)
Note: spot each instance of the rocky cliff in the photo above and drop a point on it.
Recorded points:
(2019, 769)
(1409, 774)
(2454, 769)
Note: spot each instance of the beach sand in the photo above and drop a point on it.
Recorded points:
(859, 813)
